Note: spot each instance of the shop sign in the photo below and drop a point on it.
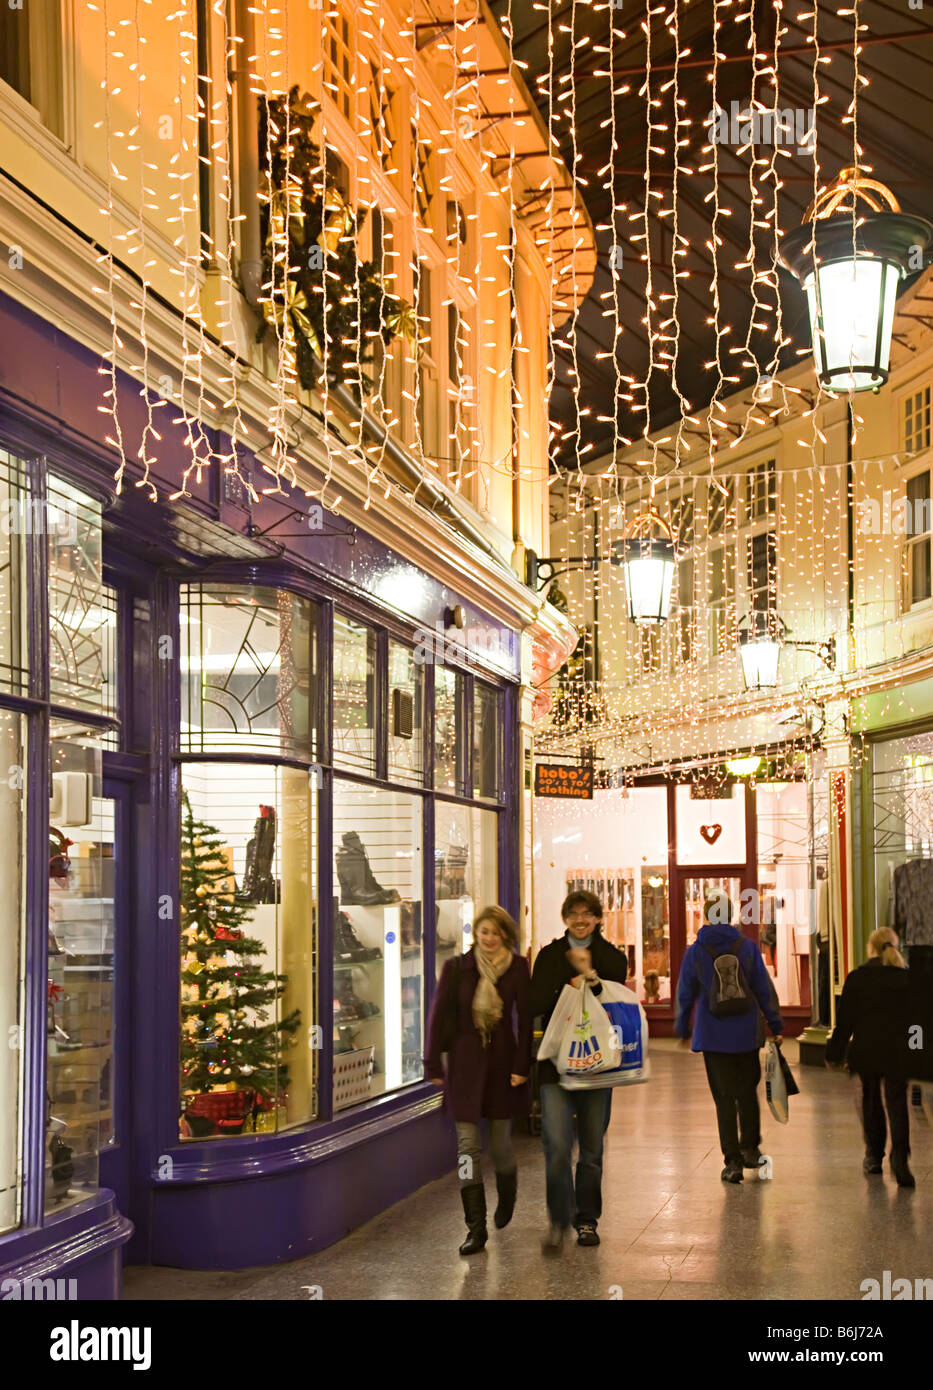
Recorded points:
(554, 780)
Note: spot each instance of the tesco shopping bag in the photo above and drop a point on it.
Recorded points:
(630, 1026)
(779, 1082)
(579, 1039)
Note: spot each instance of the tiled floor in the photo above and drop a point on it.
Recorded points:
(670, 1228)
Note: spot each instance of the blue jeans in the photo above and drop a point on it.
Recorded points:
(571, 1203)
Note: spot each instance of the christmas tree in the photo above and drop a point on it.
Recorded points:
(226, 997)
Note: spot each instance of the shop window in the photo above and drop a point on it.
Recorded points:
(761, 491)
(248, 937)
(762, 572)
(655, 934)
(466, 874)
(79, 1026)
(485, 741)
(110, 691)
(786, 907)
(338, 61)
(248, 658)
(31, 58)
(378, 969)
(423, 175)
(447, 729)
(77, 621)
(916, 421)
(710, 832)
(12, 884)
(16, 509)
(354, 695)
(382, 117)
(917, 547)
(406, 716)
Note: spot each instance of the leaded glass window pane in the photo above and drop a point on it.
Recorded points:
(77, 619)
(248, 660)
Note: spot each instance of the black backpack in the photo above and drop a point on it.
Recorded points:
(729, 993)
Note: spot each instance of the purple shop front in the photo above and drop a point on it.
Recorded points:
(284, 766)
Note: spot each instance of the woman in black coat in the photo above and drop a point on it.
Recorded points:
(481, 1019)
(870, 1037)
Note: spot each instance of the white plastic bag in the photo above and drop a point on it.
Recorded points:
(775, 1085)
(579, 1039)
(630, 1024)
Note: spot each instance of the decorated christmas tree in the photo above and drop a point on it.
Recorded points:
(229, 1032)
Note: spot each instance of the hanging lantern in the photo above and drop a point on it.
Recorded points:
(760, 650)
(649, 568)
(851, 278)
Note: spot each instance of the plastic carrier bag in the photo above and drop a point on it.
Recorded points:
(630, 1026)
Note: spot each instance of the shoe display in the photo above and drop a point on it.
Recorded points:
(732, 1172)
(258, 884)
(347, 945)
(587, 1233)
(358, 884)
(349, 1005)
(450, 872)
(344, 1038)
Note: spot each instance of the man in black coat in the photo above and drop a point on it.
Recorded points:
(581, 955)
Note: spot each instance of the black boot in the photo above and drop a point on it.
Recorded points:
(871, 1163)
(901, 1169)
(506, 1186)
(358, 883)
(474, 1211)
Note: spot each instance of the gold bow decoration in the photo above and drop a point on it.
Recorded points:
(401, 319)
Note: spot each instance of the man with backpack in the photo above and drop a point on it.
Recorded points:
(724, 975)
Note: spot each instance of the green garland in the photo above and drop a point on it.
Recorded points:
(324, 267)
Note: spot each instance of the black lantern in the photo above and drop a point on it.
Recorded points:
(760, 645)
(649, 568)
(850, 260)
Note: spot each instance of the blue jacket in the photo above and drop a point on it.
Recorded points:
(741, 1032)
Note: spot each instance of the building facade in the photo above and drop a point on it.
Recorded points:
(267, 639)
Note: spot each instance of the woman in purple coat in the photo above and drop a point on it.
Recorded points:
(481, 1019)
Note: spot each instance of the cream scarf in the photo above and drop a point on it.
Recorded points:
(487, 1001)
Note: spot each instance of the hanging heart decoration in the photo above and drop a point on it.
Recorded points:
(711, 833)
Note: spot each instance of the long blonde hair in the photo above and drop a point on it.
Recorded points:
(884, 943)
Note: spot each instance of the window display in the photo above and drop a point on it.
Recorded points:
(378, 967)
(249, 1046)
(485, 741)
(13, 608)
(466, 874)
(447, 734)
(248, 662)
(77, 621)
(12, 878)
(406, 716)
(354, 696)
(655, 934)
(80, 971)
(786, 904)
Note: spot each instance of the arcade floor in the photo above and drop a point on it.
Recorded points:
(670, 1228)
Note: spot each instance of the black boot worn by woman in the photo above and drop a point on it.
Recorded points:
(901, 1169)
(474, 1211)
(507, 1187)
